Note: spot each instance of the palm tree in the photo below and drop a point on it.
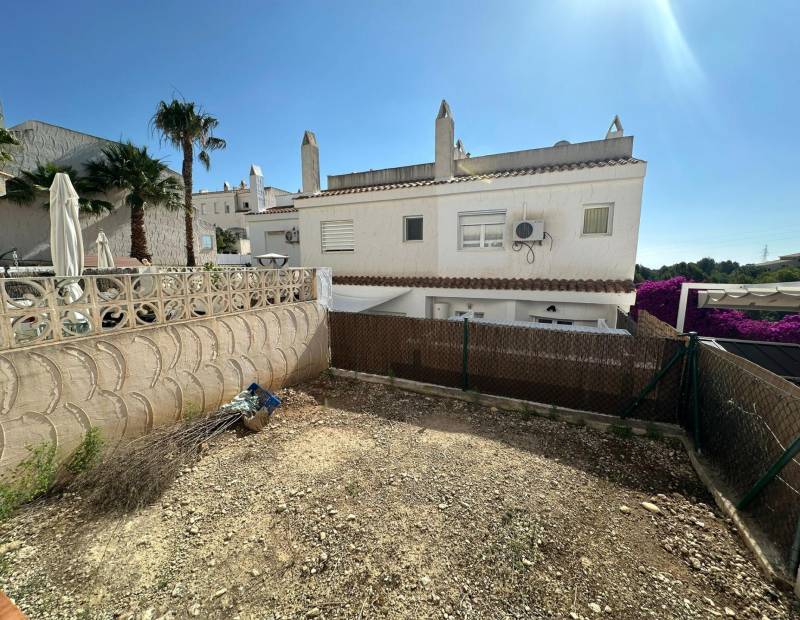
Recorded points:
(187, 127)
(146, 181)
(6, 139)
(31, 185)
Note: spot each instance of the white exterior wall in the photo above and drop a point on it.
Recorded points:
(558, 198)
(261, 224)
(378, 233)
(204, 202)
(582, 308)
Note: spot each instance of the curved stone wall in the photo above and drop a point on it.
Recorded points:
(131, 382)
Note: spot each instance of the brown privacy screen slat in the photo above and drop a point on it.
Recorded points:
(594, 372)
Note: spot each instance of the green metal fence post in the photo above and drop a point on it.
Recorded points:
(694, 353)
(465, 357)
(773, 471)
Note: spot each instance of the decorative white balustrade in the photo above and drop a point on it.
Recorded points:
(38, 310)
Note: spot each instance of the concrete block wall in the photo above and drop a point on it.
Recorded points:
(133, 381)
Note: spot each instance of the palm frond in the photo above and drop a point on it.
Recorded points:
(204, 159)
(33, 185)
(214, 144)
(144, 179)
(181, 122)
(7, 139)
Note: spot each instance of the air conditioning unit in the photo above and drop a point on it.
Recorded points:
(293, 235)
(529, 230)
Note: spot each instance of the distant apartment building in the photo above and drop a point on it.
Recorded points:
(546, 235)
(228, 207)
(786, 260)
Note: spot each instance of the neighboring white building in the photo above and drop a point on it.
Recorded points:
(228, 207)
(441, 239)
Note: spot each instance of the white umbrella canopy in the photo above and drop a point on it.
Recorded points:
(105, 260)
(66, 240)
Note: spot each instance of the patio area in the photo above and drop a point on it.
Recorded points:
(363, 501)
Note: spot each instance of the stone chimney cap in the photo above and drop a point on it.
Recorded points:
(615, 129)
(309, 138)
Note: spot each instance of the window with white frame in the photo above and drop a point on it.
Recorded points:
(337, 236)
(481, 229)
(549, 320)
(475, 315)
(597, 220)
(412, 228)
(206, 242)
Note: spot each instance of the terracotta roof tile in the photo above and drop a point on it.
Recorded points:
(476, 177)
(516, 284)
(277, 210)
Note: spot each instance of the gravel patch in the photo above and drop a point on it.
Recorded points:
(360, 501)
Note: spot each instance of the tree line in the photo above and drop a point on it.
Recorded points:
(726, 271)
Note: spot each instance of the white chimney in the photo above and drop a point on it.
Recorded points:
(309, 161)
(444, 166)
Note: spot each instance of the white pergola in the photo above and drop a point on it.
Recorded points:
(782, 296)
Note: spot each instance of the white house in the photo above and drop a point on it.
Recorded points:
(228, 207)
(546, 235)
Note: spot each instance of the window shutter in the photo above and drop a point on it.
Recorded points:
(595, 221)
(337, 236)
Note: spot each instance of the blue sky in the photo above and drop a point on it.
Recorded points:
(709, 89)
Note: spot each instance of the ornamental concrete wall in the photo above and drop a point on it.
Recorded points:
(131, 382)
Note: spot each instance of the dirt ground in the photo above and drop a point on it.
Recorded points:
(361, 501)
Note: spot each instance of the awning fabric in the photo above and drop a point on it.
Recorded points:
(348, 298)
(784, 296)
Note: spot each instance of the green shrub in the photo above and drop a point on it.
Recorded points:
(87, 453)
(191, 411)
(32, 477)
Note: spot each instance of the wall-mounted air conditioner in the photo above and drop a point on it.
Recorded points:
(529, 230)
(293, 235)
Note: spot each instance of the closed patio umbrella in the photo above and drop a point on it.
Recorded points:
(66, 240)
(105, 260)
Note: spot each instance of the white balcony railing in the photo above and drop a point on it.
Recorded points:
(41, 310)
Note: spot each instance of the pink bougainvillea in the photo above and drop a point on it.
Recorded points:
(660, 298)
